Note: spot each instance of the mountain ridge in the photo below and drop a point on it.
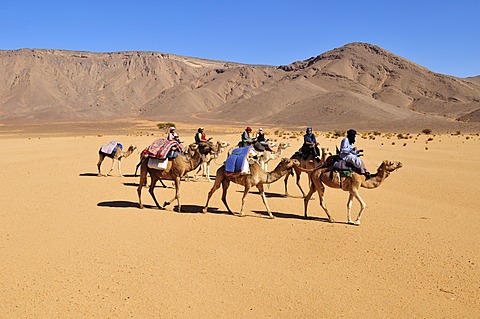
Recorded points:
(356, 84)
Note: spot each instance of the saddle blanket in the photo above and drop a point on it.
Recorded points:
(110, 147)
(161, 147)
(156, 163)
(341, 165)
(238, 160)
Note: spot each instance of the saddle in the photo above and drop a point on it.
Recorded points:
(163, 149)
(238, 161)
(110, 149)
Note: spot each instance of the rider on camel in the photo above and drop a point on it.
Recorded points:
(310, 145)
(350, 154)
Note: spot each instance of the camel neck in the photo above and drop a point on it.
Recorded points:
(274, 176)
(194, 161)
(376, 179)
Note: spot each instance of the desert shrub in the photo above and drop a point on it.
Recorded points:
(338, 133)
(427, 131)
(165, 126)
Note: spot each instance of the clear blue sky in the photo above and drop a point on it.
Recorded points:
(443, 36)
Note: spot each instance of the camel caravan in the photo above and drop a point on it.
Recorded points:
(247, 165)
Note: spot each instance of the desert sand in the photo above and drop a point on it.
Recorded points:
(74, 245)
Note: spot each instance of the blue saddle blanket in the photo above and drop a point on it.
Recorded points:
(236, 161)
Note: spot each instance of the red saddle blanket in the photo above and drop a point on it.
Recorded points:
(161, 147)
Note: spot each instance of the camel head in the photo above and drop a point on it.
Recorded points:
(222, 144)
(129, 151)
(283, 146)
(390, 166)
(206, 148)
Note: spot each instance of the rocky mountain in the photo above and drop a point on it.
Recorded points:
(358, 84)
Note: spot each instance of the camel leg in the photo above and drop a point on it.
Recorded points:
(307, 199)
(111, 168)
(285, 182)
(204, 169)
(225, 185)
(349, 208)
(207, 165)
(151, 190)
(216, 185)
(362, 207)
(141, 183)
(321, 193)
(264, 198)
(298, 183)
(195, 176)
(177, 195)
(136, 168)
(120, 167)
(244, 198)
(100, 160)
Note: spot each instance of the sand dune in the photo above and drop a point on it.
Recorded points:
(76, 245)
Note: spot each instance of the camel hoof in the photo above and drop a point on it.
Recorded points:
(271, 217)
(357, 223)
(331, 220)
(140, 206)
(204, 210)
(166, 204)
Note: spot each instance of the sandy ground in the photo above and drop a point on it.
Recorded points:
(74, 245)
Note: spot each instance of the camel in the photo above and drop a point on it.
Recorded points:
(326, 176)
(267, 156)
(176, 169)
(219, 148)
(257, 177)
(117, 155)
(309, 164)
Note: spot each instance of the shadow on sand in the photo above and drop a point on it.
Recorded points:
(88, 174)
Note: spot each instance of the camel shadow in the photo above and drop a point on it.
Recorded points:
(125, 204)
(267, 194)
(156, 186)
(118, 204)
(130, 175)
(217, 211)
(264, 214)
(88, 174)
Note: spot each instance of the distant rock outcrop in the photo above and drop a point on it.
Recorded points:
(358, 84)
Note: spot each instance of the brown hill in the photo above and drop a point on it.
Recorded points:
(359, 85)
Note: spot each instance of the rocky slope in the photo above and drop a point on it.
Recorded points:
(358, 84)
